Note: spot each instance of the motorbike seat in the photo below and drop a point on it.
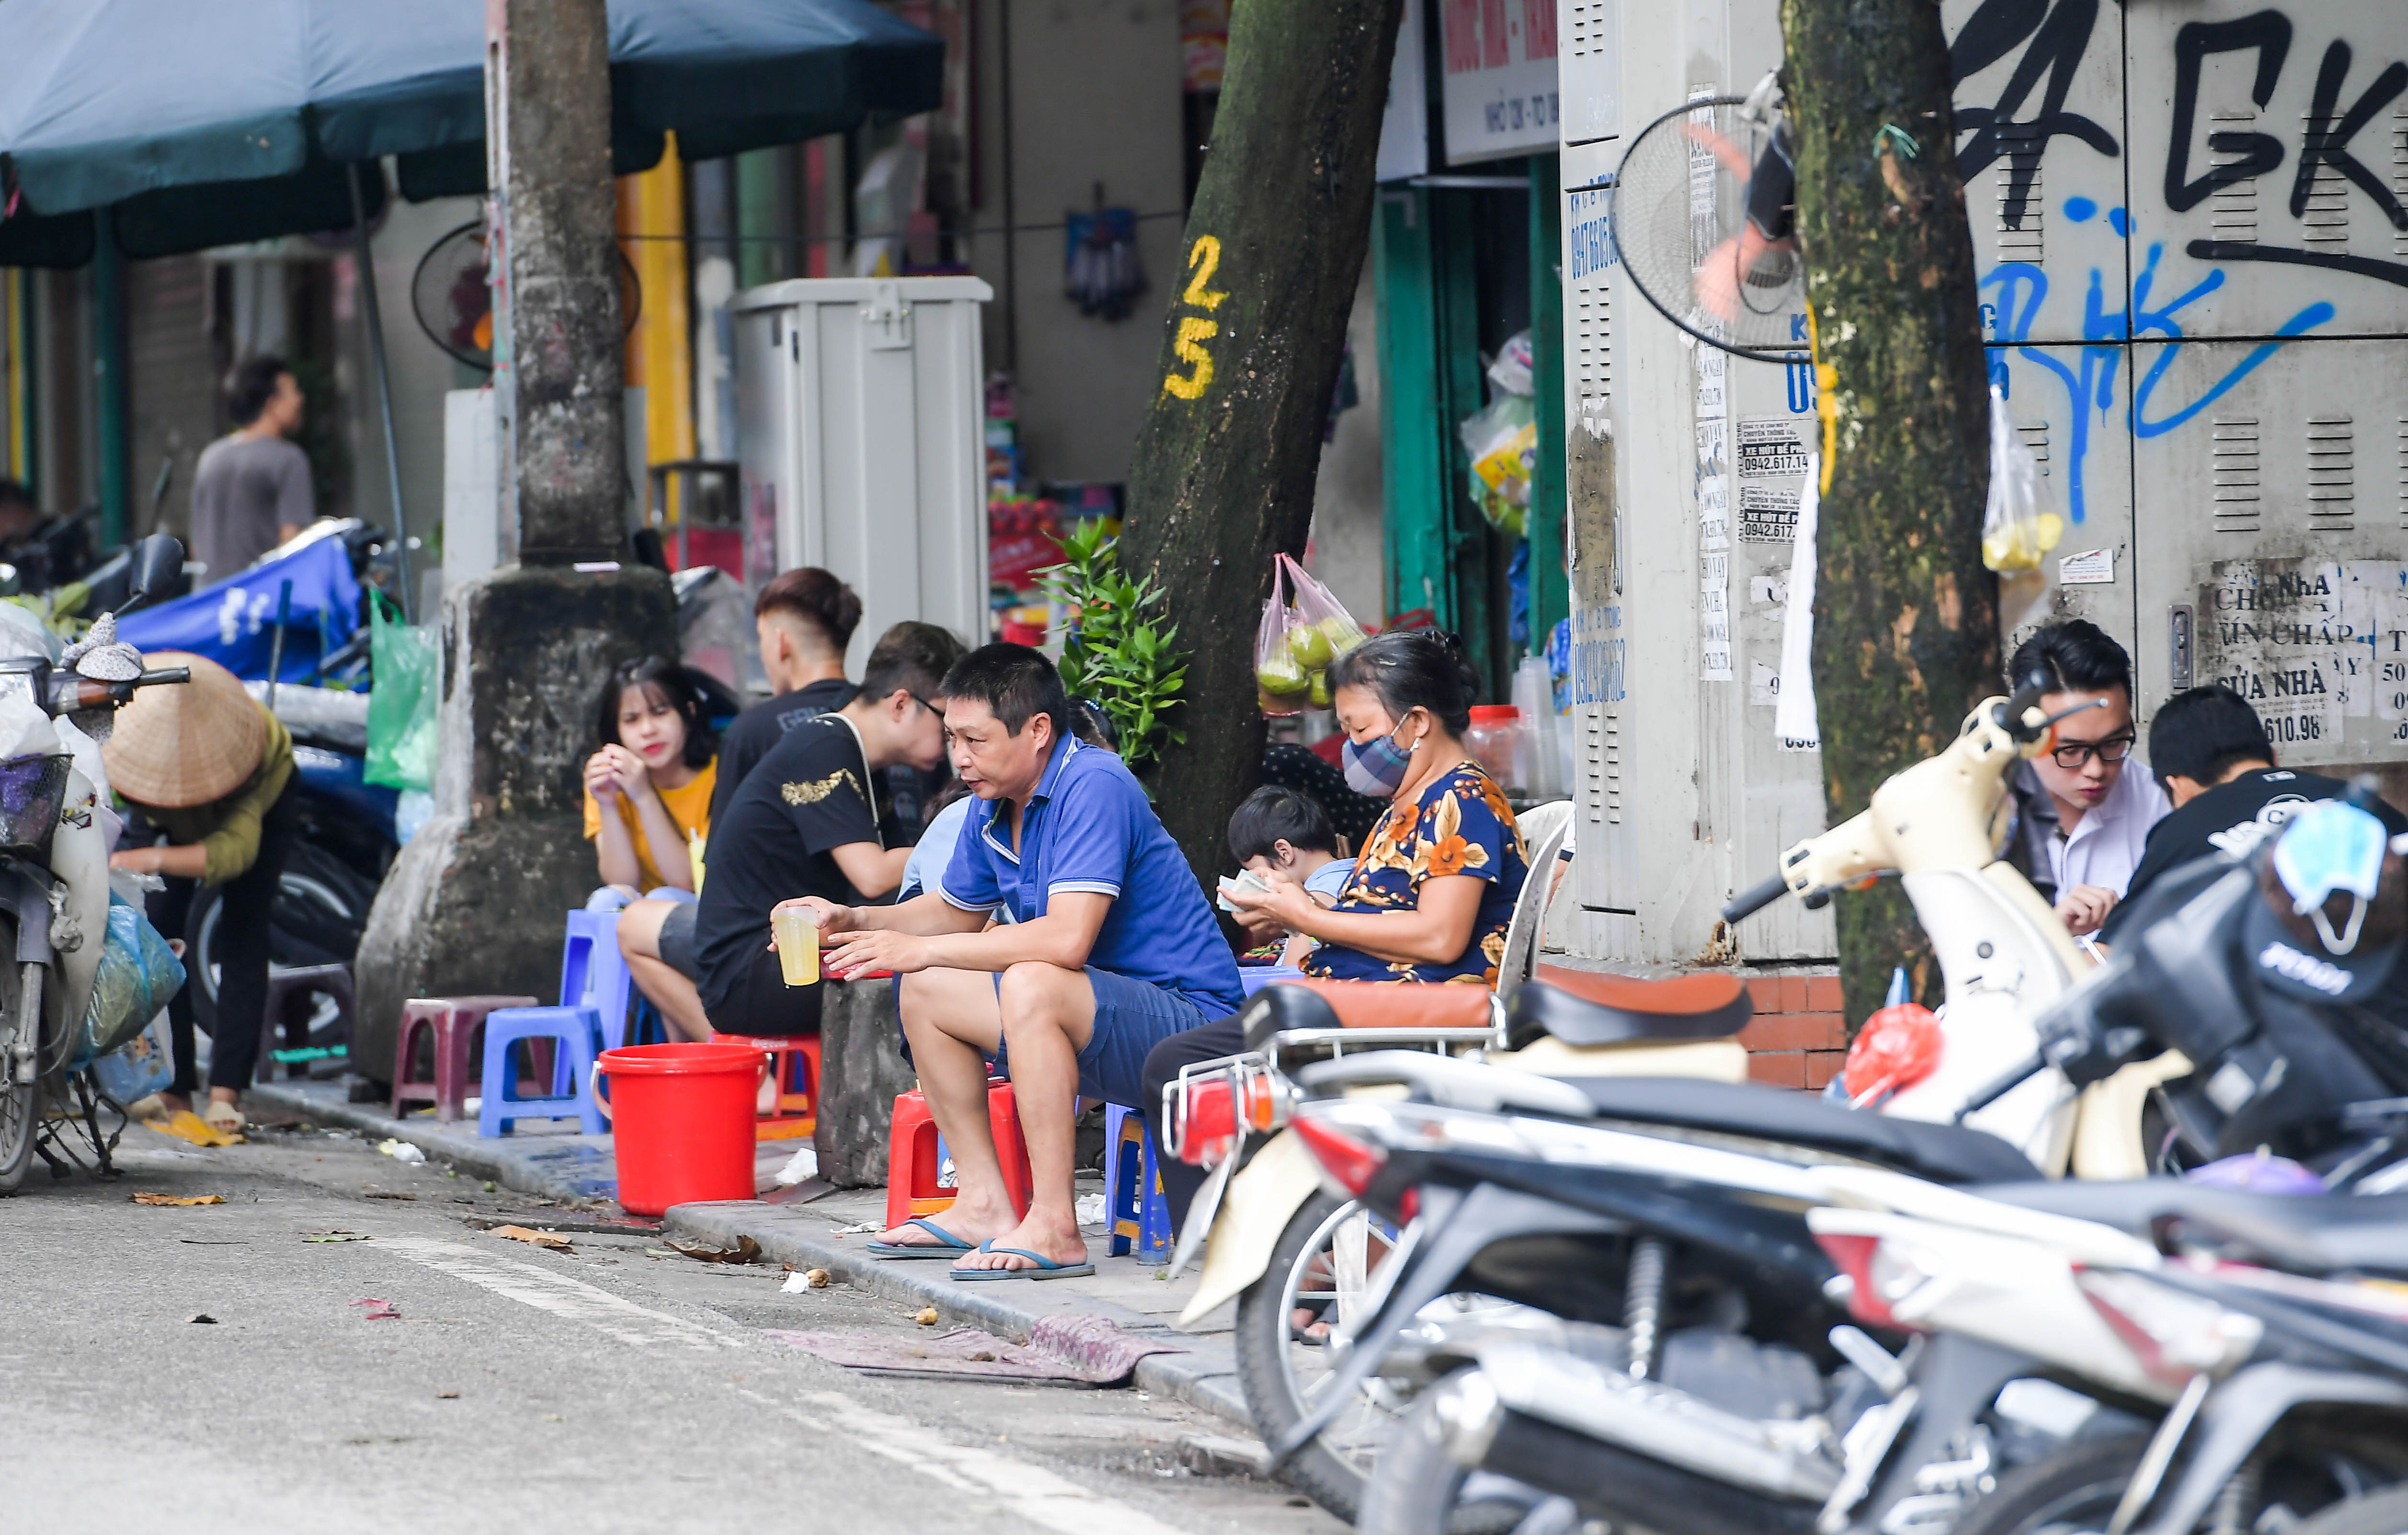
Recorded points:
(2303, 1234)
(1591, 1007)
(1947, 1153)
(1418, 1006)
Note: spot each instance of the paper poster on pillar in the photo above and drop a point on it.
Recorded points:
(2312, 646)
(1771, 461)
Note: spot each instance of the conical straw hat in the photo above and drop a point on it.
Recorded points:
(177, 745)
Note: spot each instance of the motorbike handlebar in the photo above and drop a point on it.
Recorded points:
(1749, 902)
(164, 674)
(70, 692)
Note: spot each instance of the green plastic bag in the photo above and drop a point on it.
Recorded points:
(401, 705)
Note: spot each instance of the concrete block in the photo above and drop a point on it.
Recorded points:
(862, 1069)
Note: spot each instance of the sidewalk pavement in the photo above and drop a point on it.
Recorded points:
(546, 1159)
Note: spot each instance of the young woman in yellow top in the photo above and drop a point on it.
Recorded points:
(656, 768)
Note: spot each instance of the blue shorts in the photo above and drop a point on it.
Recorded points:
(1132, 1016)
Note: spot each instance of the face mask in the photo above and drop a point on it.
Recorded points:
(1377, 769)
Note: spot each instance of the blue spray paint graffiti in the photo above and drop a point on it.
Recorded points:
(2016, 293)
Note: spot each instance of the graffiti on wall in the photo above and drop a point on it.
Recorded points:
(2048, 41)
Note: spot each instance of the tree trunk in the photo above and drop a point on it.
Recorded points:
(1226, 462)
(1906, 632)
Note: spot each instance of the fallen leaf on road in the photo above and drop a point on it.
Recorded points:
(383, 1310)
(334, 1235)
(191, 1126)
(203, 1318)
(386, 1194)
(179, 1199)
(927, 1317)
(447, 1396)
(550, 1241)
(745, 1250)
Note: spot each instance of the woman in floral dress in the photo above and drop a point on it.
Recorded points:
(1434, 887)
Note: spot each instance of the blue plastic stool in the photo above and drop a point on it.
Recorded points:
(592, 1017)
(1131, 1222)
(1255, 977)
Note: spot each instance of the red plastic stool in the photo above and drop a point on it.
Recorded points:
(913, 1157)
(796, 1060)
(455, 1022)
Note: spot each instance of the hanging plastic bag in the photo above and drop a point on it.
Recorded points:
(401, 705)
(1897, 1047)
(1304, 628)
(1503, 443)
(1516, 362)
(138, 974)
(2016, 533)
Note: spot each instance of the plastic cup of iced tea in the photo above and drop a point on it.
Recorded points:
(798, 944)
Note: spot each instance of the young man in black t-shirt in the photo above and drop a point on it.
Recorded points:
(805, 618)
(2209, 750)
(805, 822)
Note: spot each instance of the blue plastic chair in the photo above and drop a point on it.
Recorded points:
(592, 1017)
(1137, 1216)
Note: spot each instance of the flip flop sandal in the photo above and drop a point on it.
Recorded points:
(947, 1246)
(1046, 1267)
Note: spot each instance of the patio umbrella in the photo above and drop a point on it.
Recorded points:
(195, 125)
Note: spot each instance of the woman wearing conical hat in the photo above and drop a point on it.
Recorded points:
(211, 769)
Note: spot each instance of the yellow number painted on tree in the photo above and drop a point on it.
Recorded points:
(1205, 258)
(1191, 332)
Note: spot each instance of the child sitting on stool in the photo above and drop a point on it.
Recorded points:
(1282, 836)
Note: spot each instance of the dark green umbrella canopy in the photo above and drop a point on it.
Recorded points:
(200, 125)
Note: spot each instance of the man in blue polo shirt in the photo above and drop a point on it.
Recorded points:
(1112, 950)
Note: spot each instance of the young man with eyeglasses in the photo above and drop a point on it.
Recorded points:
(2082, 822)
(804, 823)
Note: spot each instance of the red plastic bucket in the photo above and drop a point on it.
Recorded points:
(682, 1115)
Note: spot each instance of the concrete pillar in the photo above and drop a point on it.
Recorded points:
(476, 901)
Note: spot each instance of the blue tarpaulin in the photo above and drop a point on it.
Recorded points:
(234, 621)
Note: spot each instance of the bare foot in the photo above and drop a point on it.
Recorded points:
(1059, 1242)
(966, 1221)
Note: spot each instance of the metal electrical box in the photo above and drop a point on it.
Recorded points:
(2191, 222)
(860, 406)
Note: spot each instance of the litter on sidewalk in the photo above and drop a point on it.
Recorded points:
(401, 1151)
(188, 1125)
(1078, 1350)
(178, 1198)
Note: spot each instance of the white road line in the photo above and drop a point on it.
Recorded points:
(1037, 1494)
(558, 1294)
(1032, 1492)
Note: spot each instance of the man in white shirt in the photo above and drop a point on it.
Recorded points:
(2082, 820)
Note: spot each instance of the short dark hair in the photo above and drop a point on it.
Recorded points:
(1271, 815)
(254, 386)
(2203, 733)
(1415, 668)
(2074, 656)
(665, 681)
(817, 597)
(1017, 683)
(913, 656)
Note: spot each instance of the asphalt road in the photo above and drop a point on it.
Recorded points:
(518, 1389)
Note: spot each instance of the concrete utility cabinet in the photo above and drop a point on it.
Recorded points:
(2205, 343)
(860, 404)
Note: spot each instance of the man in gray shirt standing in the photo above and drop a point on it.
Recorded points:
(251, 491)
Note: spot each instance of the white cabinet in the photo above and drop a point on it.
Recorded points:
(860, 405)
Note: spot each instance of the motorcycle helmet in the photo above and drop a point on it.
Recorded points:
(2332, 917)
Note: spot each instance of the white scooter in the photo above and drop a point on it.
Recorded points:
(55, 832)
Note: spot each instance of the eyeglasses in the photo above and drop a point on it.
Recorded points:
(925, 704)
(2072, 754)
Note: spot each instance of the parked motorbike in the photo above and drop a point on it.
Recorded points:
(54, 852)
(2013, 1300)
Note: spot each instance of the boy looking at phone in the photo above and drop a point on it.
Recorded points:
(1279, 836)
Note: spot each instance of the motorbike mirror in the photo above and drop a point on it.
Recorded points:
(157, 565)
